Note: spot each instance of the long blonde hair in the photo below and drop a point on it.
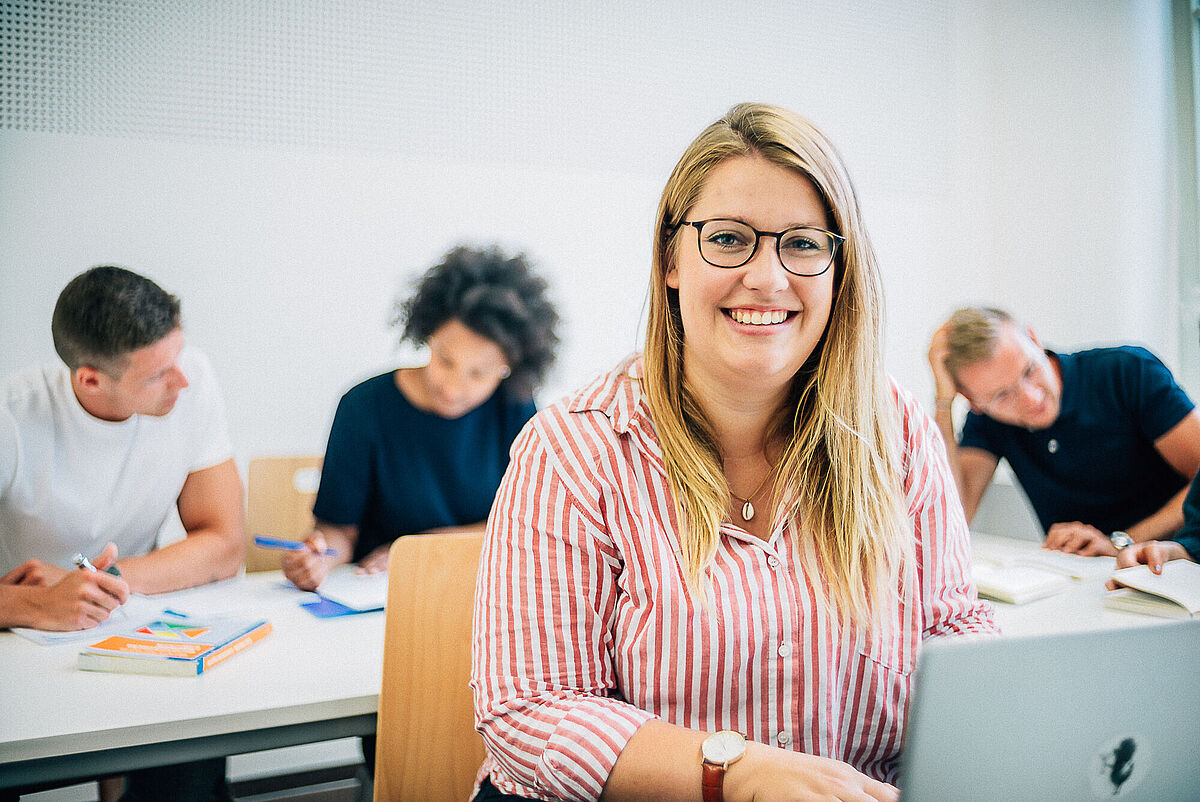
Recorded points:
(840, 467)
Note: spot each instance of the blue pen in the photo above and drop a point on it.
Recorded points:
(287, 545)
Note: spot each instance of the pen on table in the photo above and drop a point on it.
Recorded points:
(288, 545)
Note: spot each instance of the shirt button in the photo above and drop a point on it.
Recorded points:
(783, 738)
(773, 562)
(785, 649)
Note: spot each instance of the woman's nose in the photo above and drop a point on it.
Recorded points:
(764, 271)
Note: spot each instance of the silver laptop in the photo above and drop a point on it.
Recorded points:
(1113, 714)
(1005, 510)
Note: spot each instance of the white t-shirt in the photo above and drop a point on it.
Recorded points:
(70, 482)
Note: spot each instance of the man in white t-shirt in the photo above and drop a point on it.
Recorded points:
(111, 446)
(109, 453)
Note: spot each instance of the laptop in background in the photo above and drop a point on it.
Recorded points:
(1005, 509)
(1112, 714)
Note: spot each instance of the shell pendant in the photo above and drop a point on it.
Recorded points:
(747, 511)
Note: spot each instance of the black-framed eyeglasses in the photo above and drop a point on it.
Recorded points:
(803, 250)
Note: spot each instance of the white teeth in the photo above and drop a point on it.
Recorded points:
(758, 318)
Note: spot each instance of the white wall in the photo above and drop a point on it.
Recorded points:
(287, 168)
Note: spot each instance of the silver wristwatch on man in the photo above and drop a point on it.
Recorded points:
(1121, 540)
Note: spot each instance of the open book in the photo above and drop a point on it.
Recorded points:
(1175, 593)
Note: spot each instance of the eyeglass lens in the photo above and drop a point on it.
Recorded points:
(804, 251)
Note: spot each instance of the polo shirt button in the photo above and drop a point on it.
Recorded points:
(783, 738)
(785, 649)
(773, 562)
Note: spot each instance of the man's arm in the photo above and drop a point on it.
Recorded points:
(1180, 447)
(211, 509)
(973, 468)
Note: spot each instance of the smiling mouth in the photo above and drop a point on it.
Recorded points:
(751, 317)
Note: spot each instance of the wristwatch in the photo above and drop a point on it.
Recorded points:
(1121, 540)
(719, 751)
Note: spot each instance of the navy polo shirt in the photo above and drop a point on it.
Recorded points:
(1097, 463)
(393, 469)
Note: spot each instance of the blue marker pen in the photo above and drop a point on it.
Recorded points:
(288, 545)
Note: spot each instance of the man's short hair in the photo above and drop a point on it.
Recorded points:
(107, 312)
(974, 332)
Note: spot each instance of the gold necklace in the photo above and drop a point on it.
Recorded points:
(747, 507)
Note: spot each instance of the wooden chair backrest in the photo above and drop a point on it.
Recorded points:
(427, 745)
(279, 501)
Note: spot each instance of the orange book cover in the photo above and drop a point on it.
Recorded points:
(180, 647)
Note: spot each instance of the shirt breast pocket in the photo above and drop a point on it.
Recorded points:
(885, 659)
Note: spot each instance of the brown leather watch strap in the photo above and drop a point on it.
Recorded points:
(712, 781)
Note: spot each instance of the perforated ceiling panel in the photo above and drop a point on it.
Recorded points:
(276, 72)
(527, 81)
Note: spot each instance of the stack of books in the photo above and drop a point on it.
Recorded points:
(177, 646)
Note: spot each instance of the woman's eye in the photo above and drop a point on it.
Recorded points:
(800, 243)
(727, 239)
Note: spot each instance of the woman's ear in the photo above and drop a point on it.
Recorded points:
(673, 277)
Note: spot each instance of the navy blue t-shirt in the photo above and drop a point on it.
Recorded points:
(1097, 463)
(393, 469)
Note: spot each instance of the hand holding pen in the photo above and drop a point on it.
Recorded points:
(304, 564)
(78, 599)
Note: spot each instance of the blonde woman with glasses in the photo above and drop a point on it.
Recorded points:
(708, 574)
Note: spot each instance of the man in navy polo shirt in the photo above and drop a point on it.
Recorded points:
(1103, 441)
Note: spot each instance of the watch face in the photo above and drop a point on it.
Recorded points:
(723, 747)
(1121, 539)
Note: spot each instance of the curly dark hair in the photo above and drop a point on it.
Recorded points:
(495, 295)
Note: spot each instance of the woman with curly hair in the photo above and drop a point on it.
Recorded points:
(423, 449)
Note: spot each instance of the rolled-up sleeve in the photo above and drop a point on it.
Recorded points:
(543, 678)
(951, 605)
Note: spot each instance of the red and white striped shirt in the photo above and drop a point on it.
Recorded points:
(585, 627)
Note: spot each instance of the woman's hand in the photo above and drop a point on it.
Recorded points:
(661, 762)
(375, 562)
(1154, 553)
(307, 569)
(767, 774)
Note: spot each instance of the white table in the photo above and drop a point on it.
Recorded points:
(310, 680)
(1076, 609)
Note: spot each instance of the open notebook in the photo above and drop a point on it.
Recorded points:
(1175, 593)
(1056, 717)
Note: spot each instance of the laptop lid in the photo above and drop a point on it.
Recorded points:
(1111, 714)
